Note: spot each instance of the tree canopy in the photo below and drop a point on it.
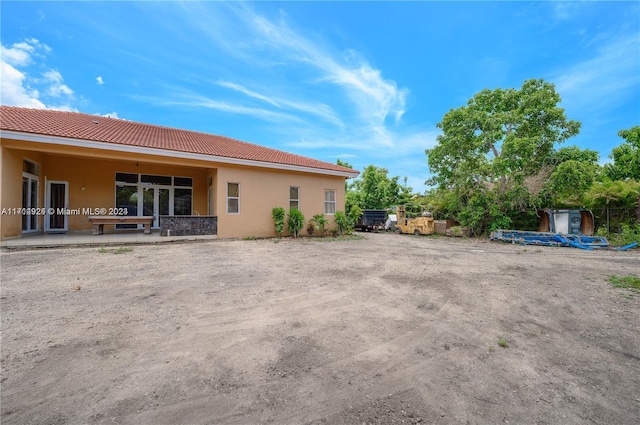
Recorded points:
(490, 146)
(374, 189)
(500, 136)
(626, 157)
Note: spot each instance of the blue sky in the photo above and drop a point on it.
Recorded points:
(365, 82)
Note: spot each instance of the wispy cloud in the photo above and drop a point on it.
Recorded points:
(19, 88)
(314, 108)
(604, 80)
(292, 71)
(373, 98)
(564, 10)
(99, 80)
(187, 99)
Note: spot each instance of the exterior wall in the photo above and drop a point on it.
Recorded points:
(90, 174)
(261, 190)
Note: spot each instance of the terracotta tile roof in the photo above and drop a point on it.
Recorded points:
(74, 125)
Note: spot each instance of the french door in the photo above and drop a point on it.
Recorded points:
(29, 202)
(57, 201)
(155, 202)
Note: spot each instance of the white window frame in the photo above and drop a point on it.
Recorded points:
(329, 202)
(233, 197)
(296, 200)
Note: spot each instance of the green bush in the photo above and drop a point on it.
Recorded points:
(278, 214)
(341, 221)
(321, 221)
(295, 222)
(354, 215)
(628, 234)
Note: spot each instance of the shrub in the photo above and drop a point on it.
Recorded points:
(295, 221)
(278, 214)
(354, 215)
(310, 228)
(341, 221)
(628, 234)
(321, 221)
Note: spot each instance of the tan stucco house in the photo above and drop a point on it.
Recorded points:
(64, 167)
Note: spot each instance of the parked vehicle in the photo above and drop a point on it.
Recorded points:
(413, 219)
(372, 220)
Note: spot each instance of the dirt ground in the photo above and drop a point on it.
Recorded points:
(388, 329)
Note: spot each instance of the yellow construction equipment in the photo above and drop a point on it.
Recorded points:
(413, 221)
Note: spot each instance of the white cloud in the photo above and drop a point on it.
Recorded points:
(322, 101)
(14, 91)
(604, 80)
(19, 88)
(99, 80)
(315, 80)
(372, 97)
(564, 10)
(190, 100)
(57, 87)
(314, 108)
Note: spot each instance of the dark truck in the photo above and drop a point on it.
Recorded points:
(372, 220)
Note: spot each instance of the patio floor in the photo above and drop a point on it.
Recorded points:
(49, 240)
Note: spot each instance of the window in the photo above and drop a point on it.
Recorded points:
(182, 201)
(329, 201)
(159, 180)
(294, 197)
(126, 178)
(233, 198)
(153, 195)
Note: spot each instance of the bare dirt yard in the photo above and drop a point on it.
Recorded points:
(388, 329)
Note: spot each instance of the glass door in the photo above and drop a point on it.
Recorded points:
(57, 202)
(29, 202)
(155, 202)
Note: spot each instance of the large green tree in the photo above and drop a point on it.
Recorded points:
(376, 189)
(626, 157)
(488, 147)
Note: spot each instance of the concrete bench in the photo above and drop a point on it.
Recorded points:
(98, 222)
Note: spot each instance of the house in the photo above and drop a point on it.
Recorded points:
(59, 168)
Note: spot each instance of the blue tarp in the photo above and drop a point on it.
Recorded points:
(555, 239)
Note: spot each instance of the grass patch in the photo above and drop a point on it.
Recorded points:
(119, 250)
(626, 282)
(503, 343)
(339, 238)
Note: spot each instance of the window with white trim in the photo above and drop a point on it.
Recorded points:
(233, 198)
(329, 201)
(294, 197)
